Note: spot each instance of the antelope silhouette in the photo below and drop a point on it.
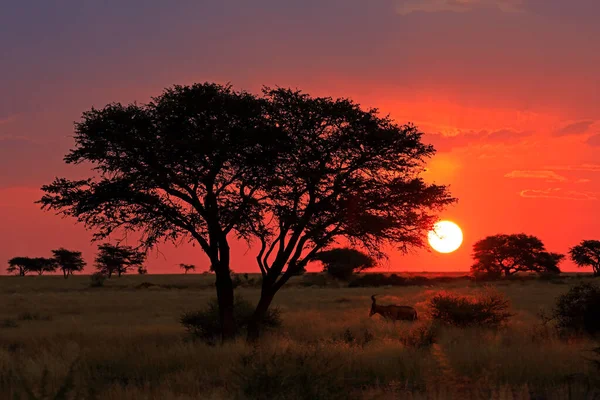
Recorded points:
(393, 312)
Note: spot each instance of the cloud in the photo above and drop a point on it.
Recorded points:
(594, 140)
(575, 128)
(583, 180)
(548, 176)
(444, 142)
(557, 193)
(405, 7)
(580, 167)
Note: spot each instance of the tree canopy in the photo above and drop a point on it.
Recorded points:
(508, 254)
(20, 265)
(343, 262)
(587, 254)
(68, 261)
(290, 172)
(116, 259)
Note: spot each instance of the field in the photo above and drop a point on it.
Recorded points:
(124, 341)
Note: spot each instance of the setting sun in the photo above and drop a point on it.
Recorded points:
(445, 237)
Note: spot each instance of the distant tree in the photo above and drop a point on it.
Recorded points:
(142, 270)
(187, 267)
(508, 254)
(20, 265)
(116, 259)
(68, 261)
(587, 254)
(42, 264)
(341, 263)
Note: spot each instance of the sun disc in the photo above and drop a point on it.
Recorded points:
(445, 237)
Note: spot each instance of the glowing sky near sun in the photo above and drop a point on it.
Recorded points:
(508, 91)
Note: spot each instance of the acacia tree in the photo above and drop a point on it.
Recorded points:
(341, 172)
(187, 267)
(508, 254)
(587, 254)
(343, 262)
(20, 265)
(68, 261)
(42, 264)
(186, 166)
(116, 259)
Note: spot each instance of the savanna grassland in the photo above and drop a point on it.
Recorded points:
(63, 339)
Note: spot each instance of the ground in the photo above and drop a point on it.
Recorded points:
(124, 341)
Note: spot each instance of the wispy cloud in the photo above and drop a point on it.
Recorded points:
(445, 142)
(547, 175)
(574, 128)
(579, 167)
(583, 180)
(557, 193)
(594, 140)
(405, 7)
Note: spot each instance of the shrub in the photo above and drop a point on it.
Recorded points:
(205, 324)
(488, 309)
(360, 338)
(97, 279)
(375, 280)
(578, 310)
(421, 335)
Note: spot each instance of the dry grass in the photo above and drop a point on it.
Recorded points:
(125, 342)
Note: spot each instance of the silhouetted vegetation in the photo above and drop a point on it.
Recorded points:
(68, 261)
(97, 279)
(342, 263)
(291, 171)
(578, 310)
(20, 265)
(508, 254)
(39, 265)
(587, 254)
(116, 259)
(187, 267)
(205, 324)
(488, 309)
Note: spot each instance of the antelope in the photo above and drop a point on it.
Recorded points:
(395, 313)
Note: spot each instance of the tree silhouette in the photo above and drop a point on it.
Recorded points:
(116, 259)
(20, 265)
(188, 165)
(42, 264)
(142, 270)
(343, 262)
(587, 254)
(341, 171)
(68, 261)
(509, 254)
(187, 267)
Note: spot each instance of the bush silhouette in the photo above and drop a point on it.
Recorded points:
(97, 279)
(488, 309)
(578, 310)
(205, 324)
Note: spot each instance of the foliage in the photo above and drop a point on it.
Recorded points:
(68, 261)
(587, 254)
(421, 335)
(42, 264)
(509, 254)
(142, 270)
(205, 324)
(187, 267)
(97, 279)
(578, 310)
(117, 259)
(376, 280)
(341, 263)
(488, 309)
(20, 265)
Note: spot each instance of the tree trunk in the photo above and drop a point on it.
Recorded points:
(65, 273)
(224, 286)
(256, 320)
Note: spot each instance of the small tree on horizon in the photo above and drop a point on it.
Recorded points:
(187, 267)
(68, 261)
(506, 255)
(342, 263)
(43, 264)
(20, 265)
(116, 259)
(142, 270)
(587, 254)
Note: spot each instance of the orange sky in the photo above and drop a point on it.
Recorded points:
(507, 91)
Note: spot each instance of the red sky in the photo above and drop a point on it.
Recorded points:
(508, 91)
